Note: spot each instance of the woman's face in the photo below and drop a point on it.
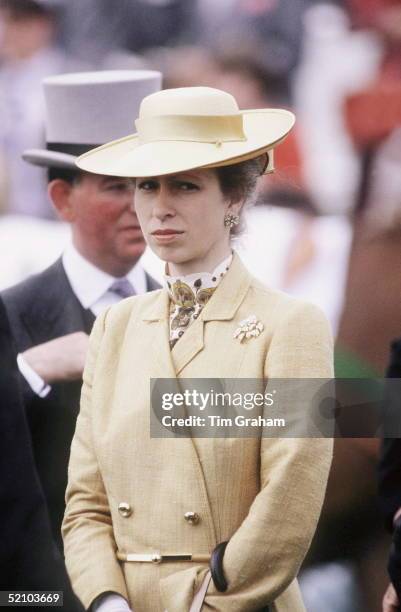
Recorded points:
(182, 219)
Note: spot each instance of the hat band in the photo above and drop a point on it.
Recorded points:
(192, 128)
(70, 149)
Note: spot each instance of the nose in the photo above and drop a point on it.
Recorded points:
(130, 199)
(163, 204)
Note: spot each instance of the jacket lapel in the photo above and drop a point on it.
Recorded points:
(188, 346)
(156, 320)
(56, 310)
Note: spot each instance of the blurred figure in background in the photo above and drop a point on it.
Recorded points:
(28, 53)
(373, 115)
(353, 111)
(51, 314)
(275, 26)
(336, 61)
(96, 29)
(28, 557)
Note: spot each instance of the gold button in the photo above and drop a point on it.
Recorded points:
(192, 517)
(124, 509)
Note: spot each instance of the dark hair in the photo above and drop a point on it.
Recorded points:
(64, 174)
(238, 181)
(21, 9)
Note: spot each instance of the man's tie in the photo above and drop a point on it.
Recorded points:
(122, 287)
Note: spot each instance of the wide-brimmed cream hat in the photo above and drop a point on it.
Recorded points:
(186, 128)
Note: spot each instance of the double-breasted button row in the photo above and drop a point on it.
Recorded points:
(125, 510)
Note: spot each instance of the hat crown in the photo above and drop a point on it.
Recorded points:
(91, 108)
(189, 101)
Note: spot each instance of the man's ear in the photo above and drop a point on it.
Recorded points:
(60, 194)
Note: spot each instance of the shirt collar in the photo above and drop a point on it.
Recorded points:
(89, 283)
(197, 281)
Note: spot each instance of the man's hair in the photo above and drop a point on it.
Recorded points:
(64, 174)
(21, 9)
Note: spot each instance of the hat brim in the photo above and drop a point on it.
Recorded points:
(50, 159)
(126, 157)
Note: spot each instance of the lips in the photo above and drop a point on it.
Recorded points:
(166, 232)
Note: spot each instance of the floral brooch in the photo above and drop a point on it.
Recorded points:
(249, 328)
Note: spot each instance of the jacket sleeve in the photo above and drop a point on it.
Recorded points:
(87, 528)
(264, 555)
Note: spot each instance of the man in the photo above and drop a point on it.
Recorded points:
(52, 313)
(28, 557)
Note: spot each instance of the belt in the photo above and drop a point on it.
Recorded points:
(156, 557)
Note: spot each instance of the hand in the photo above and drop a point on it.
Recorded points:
(390, 600)
(62, 359)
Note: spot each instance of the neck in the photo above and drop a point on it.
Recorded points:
(199, 264)
(107, 264)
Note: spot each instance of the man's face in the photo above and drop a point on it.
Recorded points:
(104, 224)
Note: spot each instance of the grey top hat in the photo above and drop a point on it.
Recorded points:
(87, 109)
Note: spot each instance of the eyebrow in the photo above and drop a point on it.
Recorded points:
(186, 175)
(172, 177)
(111, 179)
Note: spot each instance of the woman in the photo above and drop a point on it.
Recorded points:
(132, 498)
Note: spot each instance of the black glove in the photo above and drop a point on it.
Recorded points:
(216, 567)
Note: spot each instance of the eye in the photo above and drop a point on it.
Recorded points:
(147, 185)
(186, 186)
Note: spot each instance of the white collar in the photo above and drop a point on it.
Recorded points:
(209, 279)
(79, 270)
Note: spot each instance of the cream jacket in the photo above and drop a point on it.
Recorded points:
(263, 495)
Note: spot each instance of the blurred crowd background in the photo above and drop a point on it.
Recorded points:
(327, 224)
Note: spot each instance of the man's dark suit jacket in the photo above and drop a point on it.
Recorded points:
(390, 456)
(28, 557)
(42, 308)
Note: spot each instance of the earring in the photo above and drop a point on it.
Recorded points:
(230, 220)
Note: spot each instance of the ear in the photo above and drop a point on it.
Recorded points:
(60, 194)
(235, 206)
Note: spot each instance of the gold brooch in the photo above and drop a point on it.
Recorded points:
(249, 328)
